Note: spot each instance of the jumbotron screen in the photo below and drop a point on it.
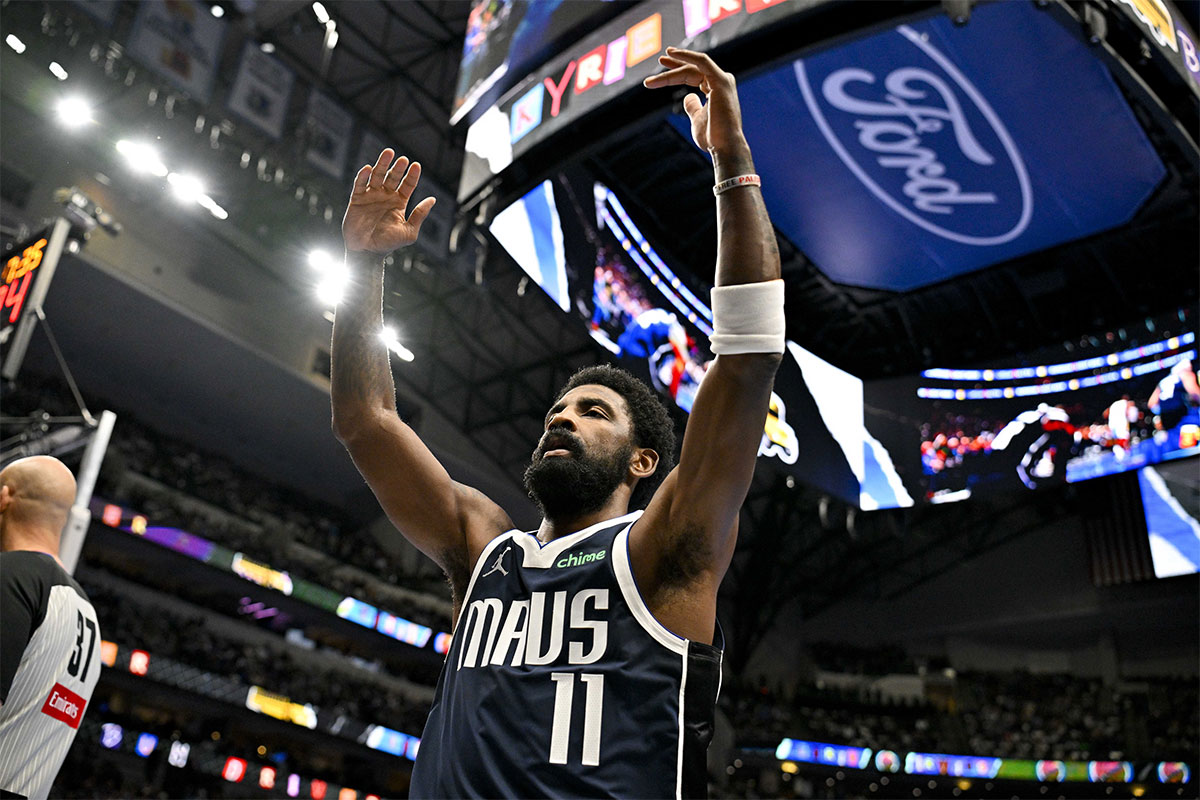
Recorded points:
(1111, 403)
(1171, 502)
(507, 38)
(573, 236)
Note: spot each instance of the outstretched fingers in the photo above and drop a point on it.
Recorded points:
(381, 164)
(686, 67)
(419, 213)
(362, 179)
(408, 184)
(701, 61)
(392, 180)
(683, 75)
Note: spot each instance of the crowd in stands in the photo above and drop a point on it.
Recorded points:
(173, 484)
(1172, 718)
(1021, 715)
(1014, 714)
(190, 641)
(762, 716)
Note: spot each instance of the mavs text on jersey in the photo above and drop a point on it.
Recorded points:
(560, 682)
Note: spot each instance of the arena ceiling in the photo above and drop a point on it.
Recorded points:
(497, 351)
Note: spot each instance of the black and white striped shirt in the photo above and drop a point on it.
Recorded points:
(49, 665)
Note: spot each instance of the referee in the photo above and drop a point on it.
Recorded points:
(49, 640)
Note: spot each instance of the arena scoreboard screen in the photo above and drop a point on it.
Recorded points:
(19, 273)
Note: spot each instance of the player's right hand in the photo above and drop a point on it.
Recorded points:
(375, 219)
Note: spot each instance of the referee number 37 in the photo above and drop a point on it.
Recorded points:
(77, 658)
(593, 713)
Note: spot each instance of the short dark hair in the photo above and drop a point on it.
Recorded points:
(652, 426)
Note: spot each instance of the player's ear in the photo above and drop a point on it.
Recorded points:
(643, 463)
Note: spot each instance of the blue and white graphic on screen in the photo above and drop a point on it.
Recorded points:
(1174, 529)
(931, 150)
(531, 232)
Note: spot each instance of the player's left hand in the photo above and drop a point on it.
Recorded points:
(716, 124)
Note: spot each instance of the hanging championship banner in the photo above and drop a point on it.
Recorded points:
(329, 127)
(179, 40)
(369, 148)
(261, 91)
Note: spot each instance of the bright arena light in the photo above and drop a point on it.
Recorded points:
(186, 188)
(73, 111)
(212, 206)
(57, 71)
(321, 259)
(332, 286)
(319, 10)
(388, 335)
(16, 44)
(218, 11)
(142, 158)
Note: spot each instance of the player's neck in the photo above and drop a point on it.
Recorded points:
(560, 526)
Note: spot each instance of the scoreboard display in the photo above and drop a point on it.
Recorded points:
(20, 271)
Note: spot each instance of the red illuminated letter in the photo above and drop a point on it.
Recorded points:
(556, 89)
(720, 9)
(591, 70)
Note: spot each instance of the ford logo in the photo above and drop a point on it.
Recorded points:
(925, 142)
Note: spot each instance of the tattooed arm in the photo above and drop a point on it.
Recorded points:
(682, 545)
(449, 522)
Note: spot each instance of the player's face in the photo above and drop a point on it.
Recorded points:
(584, 453)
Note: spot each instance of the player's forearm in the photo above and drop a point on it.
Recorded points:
(746, 247)
(360, 372)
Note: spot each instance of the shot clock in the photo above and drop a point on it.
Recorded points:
(18, 274)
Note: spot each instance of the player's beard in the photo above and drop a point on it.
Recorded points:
(579, 483)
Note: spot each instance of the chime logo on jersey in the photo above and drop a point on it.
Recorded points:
(64, 705)
(575, 559)
(494, 634)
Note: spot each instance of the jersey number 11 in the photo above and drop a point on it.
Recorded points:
(593, 712)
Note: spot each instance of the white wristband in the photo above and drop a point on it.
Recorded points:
(748, 318)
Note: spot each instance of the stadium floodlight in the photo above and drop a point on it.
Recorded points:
(217, 10)
(319, 9)
(73, 111)
(332, 286)
(16, 44)
(388, 335)
(186, 188)
(267, 47)
(56, 69)
(331, 35)
(321, 260)
(212, 206)
(142, 157)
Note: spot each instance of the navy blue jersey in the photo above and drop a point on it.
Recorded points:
(561, 683)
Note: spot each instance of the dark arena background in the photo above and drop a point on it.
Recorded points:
(968, 562)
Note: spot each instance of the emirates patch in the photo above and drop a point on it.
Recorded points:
(64, 705)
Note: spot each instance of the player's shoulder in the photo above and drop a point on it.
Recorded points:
(35, 572)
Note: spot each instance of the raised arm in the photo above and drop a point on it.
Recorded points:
(684, 542)
(447, 521)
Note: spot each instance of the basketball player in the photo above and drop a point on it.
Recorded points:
(50, 641)
(586, 659)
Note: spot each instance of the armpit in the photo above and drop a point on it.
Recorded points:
(685, 558)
